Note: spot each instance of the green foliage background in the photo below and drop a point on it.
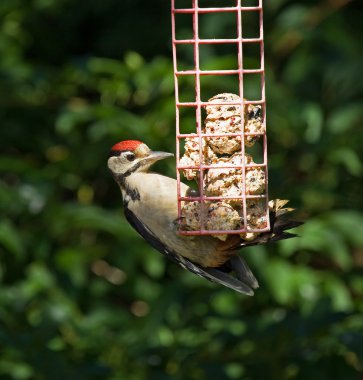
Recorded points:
(82, 296)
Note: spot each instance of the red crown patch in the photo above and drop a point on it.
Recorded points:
(126, 145)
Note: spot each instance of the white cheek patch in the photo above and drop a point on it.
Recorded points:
(115, 165)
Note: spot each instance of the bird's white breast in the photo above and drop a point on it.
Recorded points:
(157, 209)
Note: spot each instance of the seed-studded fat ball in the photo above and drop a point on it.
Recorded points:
(228, 182)
(255, 181)
(191, 156)
(256, 214)
(224, 144)
(256, 217)
(222, 216)
(223, 111)
(217, 216)
(226, 119)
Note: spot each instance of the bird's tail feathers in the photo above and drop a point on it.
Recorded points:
(235, 274)
(239, 266)
(226, 279)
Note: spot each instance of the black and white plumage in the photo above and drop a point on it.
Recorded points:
(150, 202)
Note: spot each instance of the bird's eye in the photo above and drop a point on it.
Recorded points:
(130, 156)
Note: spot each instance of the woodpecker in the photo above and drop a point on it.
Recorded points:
(150, 206)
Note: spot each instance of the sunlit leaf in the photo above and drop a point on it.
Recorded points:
(349, 159)
(10, 239)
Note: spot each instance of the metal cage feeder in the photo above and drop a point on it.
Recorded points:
(199, 105)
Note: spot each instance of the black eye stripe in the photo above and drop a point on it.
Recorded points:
(114, 153)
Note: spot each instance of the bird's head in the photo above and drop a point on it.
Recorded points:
(129, 156)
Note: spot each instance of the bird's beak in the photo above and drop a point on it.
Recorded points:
(156, 156)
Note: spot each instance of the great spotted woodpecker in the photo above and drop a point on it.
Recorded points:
(150, 206)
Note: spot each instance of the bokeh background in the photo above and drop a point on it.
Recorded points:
(82, 296)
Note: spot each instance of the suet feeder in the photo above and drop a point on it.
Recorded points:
(218, 148)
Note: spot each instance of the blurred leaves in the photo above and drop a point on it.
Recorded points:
(82, 295)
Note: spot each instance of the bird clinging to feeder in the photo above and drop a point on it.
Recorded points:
(203, 230)
(150, 206)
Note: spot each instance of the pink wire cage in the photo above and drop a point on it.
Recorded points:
(197, 72)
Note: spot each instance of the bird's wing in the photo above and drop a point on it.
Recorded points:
(211, 274)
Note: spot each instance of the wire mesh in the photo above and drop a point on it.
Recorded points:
(195, 74)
